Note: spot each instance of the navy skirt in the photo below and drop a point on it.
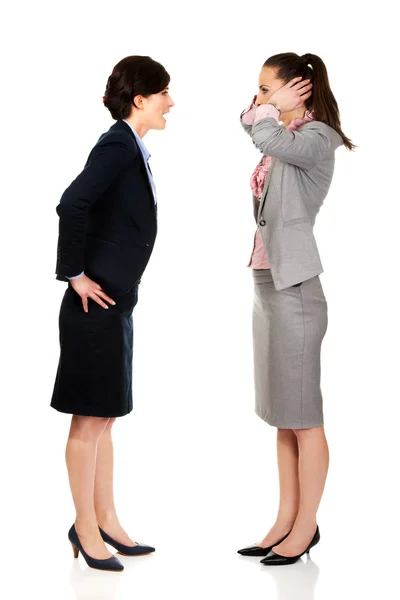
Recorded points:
(94, 375)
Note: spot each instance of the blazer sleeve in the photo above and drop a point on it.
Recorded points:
(247, 117)
(304, 148)
(108, 158)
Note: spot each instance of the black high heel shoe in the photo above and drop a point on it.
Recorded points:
(105, 564)
(277, 559)
(257, 550)
(139, 550)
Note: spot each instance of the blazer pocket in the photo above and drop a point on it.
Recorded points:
(295, 221)
(95, 237)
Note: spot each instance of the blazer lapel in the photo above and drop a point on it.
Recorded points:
(266, 186)
(126, 127)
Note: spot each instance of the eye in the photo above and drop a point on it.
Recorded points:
(264, 91)
(165, 93)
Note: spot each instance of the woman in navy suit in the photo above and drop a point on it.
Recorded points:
(107, 230)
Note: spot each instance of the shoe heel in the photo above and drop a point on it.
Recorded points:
(103, 564)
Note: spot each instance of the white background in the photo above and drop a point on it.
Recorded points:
(195, 468)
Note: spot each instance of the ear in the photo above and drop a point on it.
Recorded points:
(138, 101)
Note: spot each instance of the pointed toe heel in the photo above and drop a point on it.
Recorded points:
(138, 550)
(105, 564)
(257, 550)
(277, 559)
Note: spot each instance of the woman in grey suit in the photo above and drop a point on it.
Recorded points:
(294, 122)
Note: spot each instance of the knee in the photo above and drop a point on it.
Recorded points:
(109, 425)
(88, 428)
(286, 434)
(309, 433)
(301, 434)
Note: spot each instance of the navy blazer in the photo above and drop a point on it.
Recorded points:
(108, 216)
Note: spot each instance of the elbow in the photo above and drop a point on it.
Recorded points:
(64, 207)
(65, 210)
(71, 204)
(265, 144)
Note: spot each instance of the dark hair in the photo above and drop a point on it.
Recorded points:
(310, 66)
(133, 75)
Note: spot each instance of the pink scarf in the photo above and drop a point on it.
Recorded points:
(260, 172)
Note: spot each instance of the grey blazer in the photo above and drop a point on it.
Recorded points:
(297, 183)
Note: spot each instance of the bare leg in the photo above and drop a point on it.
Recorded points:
(80, 457)
(104, 489)
(288, 454)
(313, 469)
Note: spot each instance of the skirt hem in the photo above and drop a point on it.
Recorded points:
(303, 425)
(90, 413)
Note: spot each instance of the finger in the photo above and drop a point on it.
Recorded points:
(105, 297)
(294, 82)
(97, 299)
(97, 286)
(303, 84)
(85, 303)
(306, 90)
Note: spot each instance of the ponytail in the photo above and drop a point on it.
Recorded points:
(322, 101)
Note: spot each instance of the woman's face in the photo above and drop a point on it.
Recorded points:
(154, 107)
(268, 84)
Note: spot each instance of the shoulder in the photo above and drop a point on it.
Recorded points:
(321, 128)
(118, 139)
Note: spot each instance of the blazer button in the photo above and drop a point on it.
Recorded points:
(262, 222)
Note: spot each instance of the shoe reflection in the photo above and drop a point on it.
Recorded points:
(92, 584)
(294, 581)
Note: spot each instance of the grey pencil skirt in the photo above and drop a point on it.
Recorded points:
(288, 328)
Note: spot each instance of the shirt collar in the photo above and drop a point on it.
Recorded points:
(145, 152)
(296, 123)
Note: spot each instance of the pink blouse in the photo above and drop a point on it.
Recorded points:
(252, 114)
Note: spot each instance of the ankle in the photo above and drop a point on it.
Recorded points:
(86, 524)
(285, 522)
(306, 522)
(106, 516)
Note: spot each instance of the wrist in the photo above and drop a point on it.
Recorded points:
(76, 276)
(267, 110)
(275, 105)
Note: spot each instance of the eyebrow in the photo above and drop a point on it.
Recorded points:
(264, 85)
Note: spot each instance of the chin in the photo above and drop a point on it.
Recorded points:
(159, 125)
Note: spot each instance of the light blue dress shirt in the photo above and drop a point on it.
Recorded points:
(146, 156)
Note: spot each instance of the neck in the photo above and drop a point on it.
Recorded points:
(140, 129)
(298, 113)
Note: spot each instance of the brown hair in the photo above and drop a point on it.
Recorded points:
(310, 66)
(133, 75)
